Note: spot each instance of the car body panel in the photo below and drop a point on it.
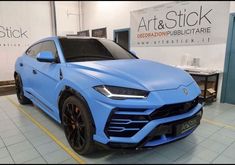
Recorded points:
(155, 100)
(128, 73)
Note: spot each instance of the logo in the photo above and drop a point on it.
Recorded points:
(10, 32)
(185, 91)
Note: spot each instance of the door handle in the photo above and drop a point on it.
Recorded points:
(21, 64)
(34, 71)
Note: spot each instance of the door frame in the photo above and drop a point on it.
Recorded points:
(227, 56)
(121, 30)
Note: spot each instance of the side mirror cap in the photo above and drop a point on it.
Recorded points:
(45, 56)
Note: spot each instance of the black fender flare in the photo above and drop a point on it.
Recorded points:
(68, 91)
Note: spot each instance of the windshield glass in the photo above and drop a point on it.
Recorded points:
(90, 49)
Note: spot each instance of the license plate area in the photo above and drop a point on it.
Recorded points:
(186, 125)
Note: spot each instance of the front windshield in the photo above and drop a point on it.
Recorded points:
(90, 49)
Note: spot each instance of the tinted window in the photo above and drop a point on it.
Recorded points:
(85, 49)
(43, 46)
(34, 50)
(50, 46)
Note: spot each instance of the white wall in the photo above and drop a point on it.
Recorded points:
(116, 15)
(67, 17)
(33, 17)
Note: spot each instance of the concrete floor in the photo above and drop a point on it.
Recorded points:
(21, 141)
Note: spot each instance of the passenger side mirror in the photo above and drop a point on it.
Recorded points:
(46, 56)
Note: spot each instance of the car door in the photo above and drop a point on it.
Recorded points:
(26, 65)
(46, 77)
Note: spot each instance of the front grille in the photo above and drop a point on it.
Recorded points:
(127, 122)
(173, 109)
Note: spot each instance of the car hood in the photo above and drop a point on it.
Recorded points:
(136, 73)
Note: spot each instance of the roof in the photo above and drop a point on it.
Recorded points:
(68, 37)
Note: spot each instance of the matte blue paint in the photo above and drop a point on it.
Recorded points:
(45, 56)
(164, 82)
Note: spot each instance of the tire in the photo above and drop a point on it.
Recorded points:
(76, 120)
(19, 91)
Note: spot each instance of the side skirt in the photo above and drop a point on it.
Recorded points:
(42, 106)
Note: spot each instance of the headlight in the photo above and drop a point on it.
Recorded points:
(121, 92)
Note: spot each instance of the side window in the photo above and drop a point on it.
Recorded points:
(50, 46)
(34, 50)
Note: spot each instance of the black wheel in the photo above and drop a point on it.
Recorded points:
(77, 124)
(19, 91)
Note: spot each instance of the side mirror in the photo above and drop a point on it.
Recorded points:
(46, 56)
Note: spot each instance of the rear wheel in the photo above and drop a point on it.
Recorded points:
(19, 91)
(77, 124)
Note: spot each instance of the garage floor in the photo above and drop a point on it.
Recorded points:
(27, 135)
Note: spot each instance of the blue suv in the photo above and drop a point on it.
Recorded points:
(103, 94)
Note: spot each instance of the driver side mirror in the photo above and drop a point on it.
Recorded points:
(46, 56)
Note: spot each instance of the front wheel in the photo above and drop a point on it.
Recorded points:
(77, 124)
(19, 91)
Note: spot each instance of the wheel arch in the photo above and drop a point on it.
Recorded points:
(67, 92)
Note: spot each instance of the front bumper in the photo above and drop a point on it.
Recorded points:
(102, 108)
(163, 133)
(150, 128)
